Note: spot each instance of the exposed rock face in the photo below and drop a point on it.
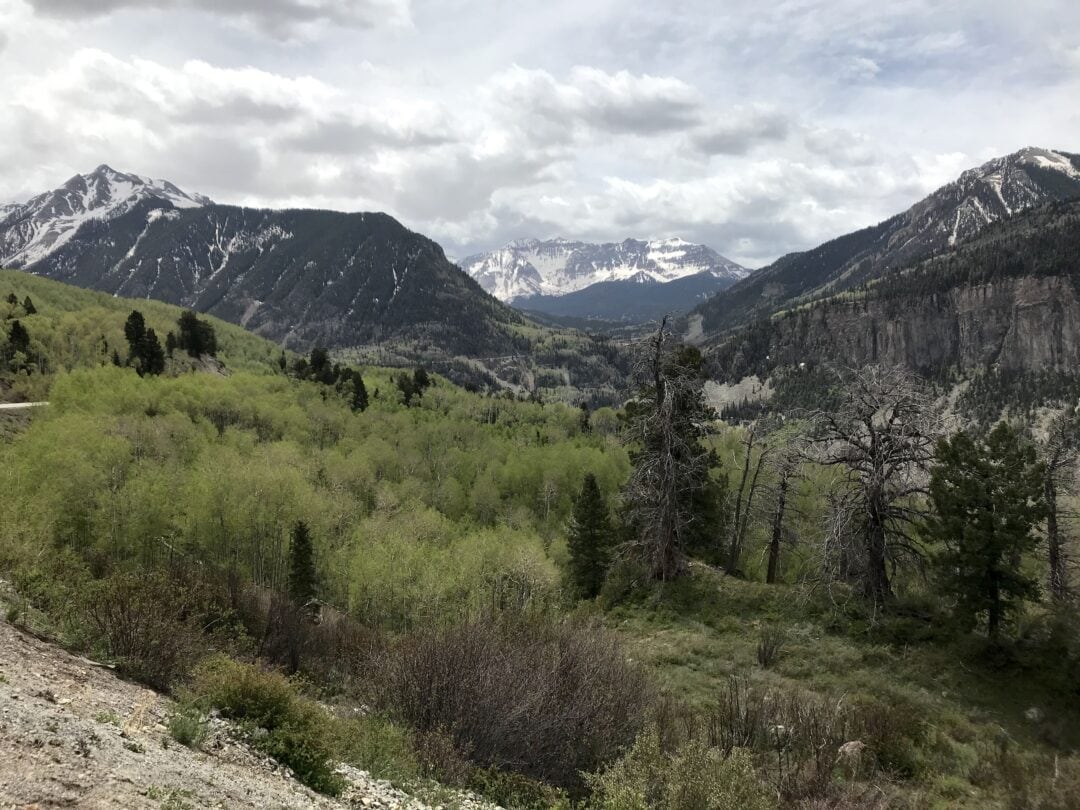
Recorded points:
(1027, 323)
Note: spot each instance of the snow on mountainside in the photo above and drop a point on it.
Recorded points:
(529, 267)
(33, 230)
(996, 190)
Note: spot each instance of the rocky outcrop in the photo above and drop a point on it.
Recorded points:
(1026, 323)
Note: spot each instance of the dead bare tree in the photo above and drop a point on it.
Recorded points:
(751, 471)
(667, 423)
(1059, 454)
(883, 436)
(786, 462)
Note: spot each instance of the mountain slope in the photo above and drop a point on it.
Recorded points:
(31, 231)
(632, 300)
(1006, 300)
(531, 267)
(997, 189)
(361, 284)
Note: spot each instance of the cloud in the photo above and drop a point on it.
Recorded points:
(618, 102)
(740, 129)
(276, 17)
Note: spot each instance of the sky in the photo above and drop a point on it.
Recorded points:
(757, 128)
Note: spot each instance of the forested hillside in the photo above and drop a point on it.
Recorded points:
(1002, 304)
(676, 613)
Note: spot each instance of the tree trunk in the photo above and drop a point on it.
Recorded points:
(734, 549)
(994, 613)
(777, 530)
(876, 585)
(1053, 542)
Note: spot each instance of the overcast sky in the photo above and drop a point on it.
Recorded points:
(755, 127)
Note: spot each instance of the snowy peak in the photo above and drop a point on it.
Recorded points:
(1000, 188)
(555, 267)
(31, 231)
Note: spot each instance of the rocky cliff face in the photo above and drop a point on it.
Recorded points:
(1028, 323)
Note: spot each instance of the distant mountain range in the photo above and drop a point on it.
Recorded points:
(300, 277)
(630, 280)
(996, 190)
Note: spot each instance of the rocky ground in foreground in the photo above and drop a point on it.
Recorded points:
(73, 734)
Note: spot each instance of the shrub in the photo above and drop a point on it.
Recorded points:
(188, 727)
(769, 646)
(695, 777)
(152, 624)
(376, 745)
(299, 732)
(547, 700)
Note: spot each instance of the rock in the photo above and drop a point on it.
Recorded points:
(1034, 714)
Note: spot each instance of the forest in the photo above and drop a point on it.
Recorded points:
(858, 604)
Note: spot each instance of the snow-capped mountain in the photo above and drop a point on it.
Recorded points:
(554, 267)
(33, 230)
(996, 190)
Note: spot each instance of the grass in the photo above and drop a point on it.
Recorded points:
(697, 634)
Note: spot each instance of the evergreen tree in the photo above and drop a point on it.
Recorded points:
(590, 539)
(197, 337)
(151, 357)
(19, 338)
(319, 366)
(407, 387)
(170, 343)
(583, 419)
(359, 395)
(134, 331)
(282, 362)
(28, 306)
(302, 583)
(421, 380)
(987, 499)
(671, 465)
(13, 299)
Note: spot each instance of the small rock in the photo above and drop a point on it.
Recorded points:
(1034, 714)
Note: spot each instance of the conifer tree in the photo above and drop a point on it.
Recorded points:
(421, 380)
(987, 499)
(302, 582)
(170, 343)
(134, 331)
(360, 394)
(19, 338)
(590, 539)
(151, 357)
(28, 306)
(13, 299)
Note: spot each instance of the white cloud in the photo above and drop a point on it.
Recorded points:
(277, 17)
(759, 131)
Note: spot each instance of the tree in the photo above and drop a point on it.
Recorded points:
(28, 306)
(151, 357)
(197, 337)
(302, 582)
(1059, 454)
(407, 387)
(170, 343)
(786, 463)
(584, 424)
(742, 508)
(18, 338)
(320, 367)
(882, 435)
(359, 393)
(134, 330)
(668, 420)
(13, 299)
(987, 497)
(421, 380)
(590, 539)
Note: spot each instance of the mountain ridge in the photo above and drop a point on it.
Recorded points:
(996, 189)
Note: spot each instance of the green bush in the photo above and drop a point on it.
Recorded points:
(299, 733)
(376, 745)
(188, 727)
(694, 777)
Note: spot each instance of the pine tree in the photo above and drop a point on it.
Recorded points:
(421, 380)
(197, 337)
(170, 343)
(151, 357)
(19, 338)
(590, 540)
(360, 395)
(987, 499)
(302, 583)
(134, 331)
(28, 306)
(13, 299)
(583, 418)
